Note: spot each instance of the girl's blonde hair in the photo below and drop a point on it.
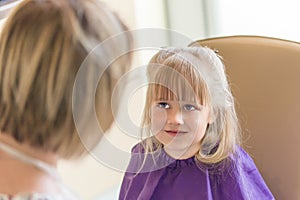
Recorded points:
(42, 46)
(194, 74)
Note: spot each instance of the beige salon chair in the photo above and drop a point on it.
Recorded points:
(265, 79)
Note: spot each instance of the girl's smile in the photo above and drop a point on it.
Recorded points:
(175, 132)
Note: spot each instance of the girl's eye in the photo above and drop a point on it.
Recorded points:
(189, 107)
(163, 105)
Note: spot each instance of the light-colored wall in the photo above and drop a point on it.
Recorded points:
(187, 17)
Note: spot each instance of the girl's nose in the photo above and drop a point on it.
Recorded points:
(175, 117)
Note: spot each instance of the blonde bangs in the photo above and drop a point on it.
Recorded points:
(180, 81)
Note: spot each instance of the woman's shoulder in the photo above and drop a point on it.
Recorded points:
(64, 194)
(32, 196)
(37, 196)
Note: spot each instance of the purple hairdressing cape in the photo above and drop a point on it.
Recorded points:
(164, 178)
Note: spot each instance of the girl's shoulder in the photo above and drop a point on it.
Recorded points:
(238, 164)
(138, 148)
(241, 178)
(142, 161)
(238, 160)
(142, 145)
(241, 157)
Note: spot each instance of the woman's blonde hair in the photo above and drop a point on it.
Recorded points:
(194, 74)
(42, 46)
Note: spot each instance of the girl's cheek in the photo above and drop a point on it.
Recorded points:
(158, 119)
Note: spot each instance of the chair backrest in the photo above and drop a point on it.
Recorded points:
(265, 79)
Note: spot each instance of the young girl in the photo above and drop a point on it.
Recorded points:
(192, 150)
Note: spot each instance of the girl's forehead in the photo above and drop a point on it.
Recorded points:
(177, 94)
(180, 102)
(180, 82)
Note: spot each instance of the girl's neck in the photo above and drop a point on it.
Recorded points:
(182, 154)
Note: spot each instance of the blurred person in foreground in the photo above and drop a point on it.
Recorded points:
(43, 44)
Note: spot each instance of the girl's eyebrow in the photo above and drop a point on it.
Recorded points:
(192, 102)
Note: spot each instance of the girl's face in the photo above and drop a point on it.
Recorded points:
(179, 126)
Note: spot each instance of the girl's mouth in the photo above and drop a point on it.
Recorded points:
(175, 132)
